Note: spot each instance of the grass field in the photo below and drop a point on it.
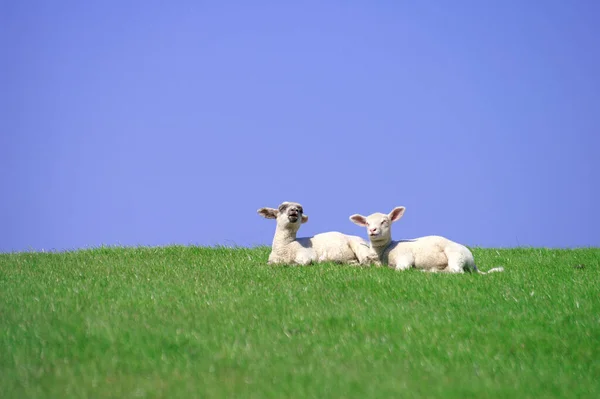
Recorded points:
(216, 322)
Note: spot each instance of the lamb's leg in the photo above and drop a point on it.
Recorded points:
(457, 260)
(304, 258)
(370, 259)
(450, 270)
(403, 262)
(365, 255)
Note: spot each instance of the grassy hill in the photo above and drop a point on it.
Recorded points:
(217, 322)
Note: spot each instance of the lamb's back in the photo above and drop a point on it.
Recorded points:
(333, 247)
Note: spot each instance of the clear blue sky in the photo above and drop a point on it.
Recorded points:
(155, 123)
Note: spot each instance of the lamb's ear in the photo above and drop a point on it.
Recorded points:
(304, 218)
(359, 220)
(396, 213)
(268, 213)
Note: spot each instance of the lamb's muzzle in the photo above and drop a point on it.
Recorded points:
(294, 212)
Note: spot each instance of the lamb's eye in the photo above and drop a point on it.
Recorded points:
(300, 210)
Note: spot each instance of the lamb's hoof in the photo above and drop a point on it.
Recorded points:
(372, 261)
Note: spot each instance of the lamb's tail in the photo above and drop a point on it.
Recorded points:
(493, 270)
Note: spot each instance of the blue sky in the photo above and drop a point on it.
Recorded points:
(155, 123)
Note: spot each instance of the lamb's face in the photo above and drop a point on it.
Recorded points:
(379, 225)
(289, 215)
(290, 212)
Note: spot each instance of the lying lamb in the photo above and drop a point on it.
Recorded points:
(324, 247)
(431, 253)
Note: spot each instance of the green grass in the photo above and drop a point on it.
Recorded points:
(216, 322)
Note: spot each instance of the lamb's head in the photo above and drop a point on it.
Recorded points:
(379, 225)
(289, 215)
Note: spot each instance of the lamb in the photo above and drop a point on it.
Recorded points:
(324, 247)
(430, 253)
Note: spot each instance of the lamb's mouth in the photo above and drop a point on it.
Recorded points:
(293, 218)
(376, 237)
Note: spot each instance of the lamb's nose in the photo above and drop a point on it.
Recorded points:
(373, 230)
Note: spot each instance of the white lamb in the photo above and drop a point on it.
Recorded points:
(324, 247)
(430, 253)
